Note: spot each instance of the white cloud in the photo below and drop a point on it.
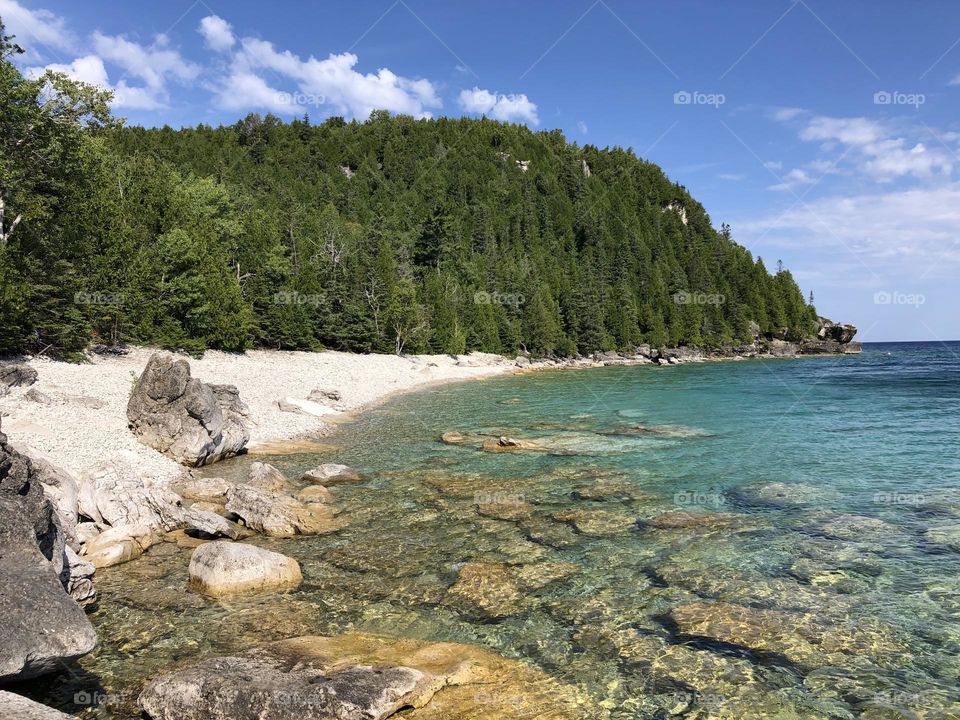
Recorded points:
(582, 127)
(153, 64)
(36, 30)
(731, 177)
(787, 114)
(509, 108)
(793, 179)
(216, 33)
(88, 69)
(332, 81)
(850, 131)
(912, 233)
(878, 150)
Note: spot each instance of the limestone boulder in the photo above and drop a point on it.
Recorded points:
(226, 568)
(193, 422)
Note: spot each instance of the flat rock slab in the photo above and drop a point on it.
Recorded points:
(17, 707)
(362, 677)
(332, 474)
(227, 568)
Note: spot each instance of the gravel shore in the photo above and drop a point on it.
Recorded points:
(75, 414)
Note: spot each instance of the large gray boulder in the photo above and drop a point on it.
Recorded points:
(190, 421)
(17, 707)
(227, 568)
(42, 627)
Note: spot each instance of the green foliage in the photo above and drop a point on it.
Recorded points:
(392, 235)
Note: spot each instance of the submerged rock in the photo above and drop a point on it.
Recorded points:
(492, 591)
(804, 639)
(363, 677)
(226, 568)
(190, 421)
(606, 491)
(41, 626)
(779, 494)
(509, 444)
(683, 519)
(596, 523)
(332, 474)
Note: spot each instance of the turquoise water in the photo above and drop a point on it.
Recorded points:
(835, 595)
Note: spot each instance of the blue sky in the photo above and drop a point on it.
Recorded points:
(825, 133)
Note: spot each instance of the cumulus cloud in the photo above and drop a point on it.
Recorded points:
(880, 151)
(582, 127)
(217, 33)
(332, 82)
(36, 30)
(154, 65)
(509, 108)
(912, 232)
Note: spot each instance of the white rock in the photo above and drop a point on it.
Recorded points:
(224, 568)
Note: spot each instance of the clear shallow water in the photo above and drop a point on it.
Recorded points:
(849, 580)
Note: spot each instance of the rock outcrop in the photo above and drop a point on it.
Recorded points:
(280, 515)
(363, 677)
(190, 421)
(226, 568)
(129, 516)
(42, 627)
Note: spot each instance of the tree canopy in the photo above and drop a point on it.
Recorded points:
(389, 235)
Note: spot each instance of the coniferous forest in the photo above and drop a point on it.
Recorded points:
(388, 235)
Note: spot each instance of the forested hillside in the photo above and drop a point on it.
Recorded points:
(390, 235)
